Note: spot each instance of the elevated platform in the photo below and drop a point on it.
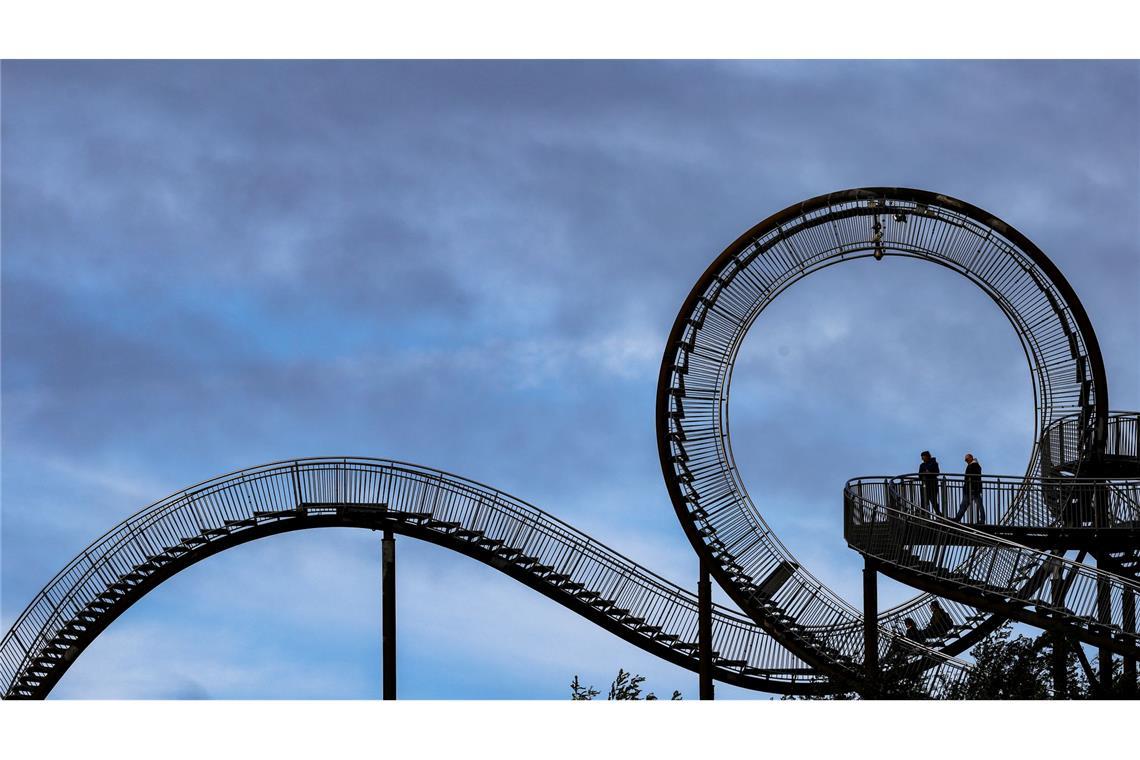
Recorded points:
(1119, 538)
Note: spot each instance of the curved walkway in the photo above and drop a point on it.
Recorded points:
(514, 537)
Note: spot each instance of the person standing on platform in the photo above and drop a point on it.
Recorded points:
(972, 490)
(928, 472)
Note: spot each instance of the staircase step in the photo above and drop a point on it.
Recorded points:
(443, 524)
(215, 532)
(264, 514)
(246, 523)
(490, 543)
(731, 663)
(194, 541)
(466, 533)
(587, 595)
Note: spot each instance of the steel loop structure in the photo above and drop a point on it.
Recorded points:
(795, 636)
(711, 501)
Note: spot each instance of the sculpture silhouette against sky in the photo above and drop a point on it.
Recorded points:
(1080, 492)
(475, 265)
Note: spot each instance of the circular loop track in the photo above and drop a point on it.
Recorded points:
(711, 501)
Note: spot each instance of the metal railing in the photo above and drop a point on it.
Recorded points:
(1062, 447)
(651, 606)
(1019, 502)
(1034, 586)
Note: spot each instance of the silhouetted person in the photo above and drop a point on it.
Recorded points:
(898, 651)
(940, 623)
(928, 472)
(972, 490)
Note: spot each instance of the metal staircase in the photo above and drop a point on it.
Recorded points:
(1028, 581)
(512, 536)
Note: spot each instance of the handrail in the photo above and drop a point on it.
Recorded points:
(880, 521)
(303, 489)
(1061, 439)
(1017, 501)
(191, 523)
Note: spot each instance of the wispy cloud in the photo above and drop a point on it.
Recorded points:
(473, 265)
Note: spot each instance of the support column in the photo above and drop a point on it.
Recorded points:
(1104, 615)
(1060, 644)
(1129, 670)
(870, 627)
(388, 583)
(704, 630)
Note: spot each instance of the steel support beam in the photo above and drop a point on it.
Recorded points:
(1104, 616)
(1060, 644)
(388, 583)
(704, 629)
(871, 626)
(1128, 676)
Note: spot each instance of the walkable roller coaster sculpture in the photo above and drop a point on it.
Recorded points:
(792, 635)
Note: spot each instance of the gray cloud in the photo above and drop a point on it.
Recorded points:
(473, 265)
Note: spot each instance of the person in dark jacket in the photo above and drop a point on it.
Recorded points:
(940, 623)
(972, 490)
(928, 472)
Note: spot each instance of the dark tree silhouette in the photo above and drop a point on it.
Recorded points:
(625, 686)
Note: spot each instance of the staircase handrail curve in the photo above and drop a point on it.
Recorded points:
(194, 501)
(132, 527)
(1025, 505)
(1125, 423)
(226, 478)
(1081, 575)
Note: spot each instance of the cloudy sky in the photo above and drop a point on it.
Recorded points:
(473, 266)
